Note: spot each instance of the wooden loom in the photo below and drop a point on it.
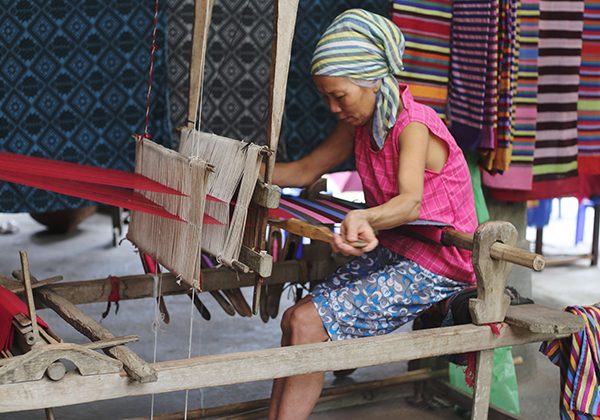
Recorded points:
(122, 373)
(101, 378)
(223, 239)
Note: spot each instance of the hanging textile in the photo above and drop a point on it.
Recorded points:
(426, 29)
(577, 357)
(519, 176)
(499, 158)
(74, 88)
(588, 106)
(472, 90)
(559, 58)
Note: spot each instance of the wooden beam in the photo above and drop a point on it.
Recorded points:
(538, 318)
(260, 262)
(335, 391)
(202, 19)
(498, 250)
(266, 195)
(133, 364)
(225, 369)
(213, 279)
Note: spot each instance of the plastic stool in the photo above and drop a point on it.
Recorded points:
(580, 227)
(594, 203)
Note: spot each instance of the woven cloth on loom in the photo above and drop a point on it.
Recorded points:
(519, 176)
(577, 357)
(325, 210)
(11, 305)
(472, 89)
(555, 155)
(426, 29)
(73, 87)
(588, 107)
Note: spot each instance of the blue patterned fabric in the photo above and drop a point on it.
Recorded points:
(376, 293)
(73, 84)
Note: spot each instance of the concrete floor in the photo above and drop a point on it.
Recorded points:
(88, 254)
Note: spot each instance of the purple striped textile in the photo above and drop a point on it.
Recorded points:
(472, 89)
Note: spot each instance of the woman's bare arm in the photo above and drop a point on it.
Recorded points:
(333, 151)
(404, 208)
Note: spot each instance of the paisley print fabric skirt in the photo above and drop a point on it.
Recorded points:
(376, 293)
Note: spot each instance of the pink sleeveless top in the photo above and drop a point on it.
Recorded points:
(447, 196)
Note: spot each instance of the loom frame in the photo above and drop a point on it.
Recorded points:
(519, 325)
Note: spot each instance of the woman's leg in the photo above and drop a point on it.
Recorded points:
(294, 397)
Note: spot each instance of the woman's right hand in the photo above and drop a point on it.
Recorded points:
(355, 228)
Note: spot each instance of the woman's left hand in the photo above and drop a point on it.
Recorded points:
(355, 228)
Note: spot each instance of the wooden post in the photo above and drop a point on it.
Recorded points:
(284, 14)
(483, 384)
(202, 18)
(491, 303)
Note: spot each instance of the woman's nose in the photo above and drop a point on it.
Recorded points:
(334, 106)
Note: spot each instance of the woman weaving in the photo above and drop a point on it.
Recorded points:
(410, 167)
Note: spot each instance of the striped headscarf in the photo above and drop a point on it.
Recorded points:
(362, 45)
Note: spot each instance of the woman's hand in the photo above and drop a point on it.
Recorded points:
(355, 227)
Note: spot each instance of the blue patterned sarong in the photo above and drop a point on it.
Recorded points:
(376, 293)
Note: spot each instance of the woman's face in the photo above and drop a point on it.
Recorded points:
(350, 103)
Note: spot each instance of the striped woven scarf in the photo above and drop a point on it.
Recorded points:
(588, 106)
(559, 57)
(519, 176)
(362, 45)
(426, 27)
(577, 357)
(499, 158)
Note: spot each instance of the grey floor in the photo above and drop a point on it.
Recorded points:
(89, 254)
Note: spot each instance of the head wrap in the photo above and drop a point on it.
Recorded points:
(362, 45)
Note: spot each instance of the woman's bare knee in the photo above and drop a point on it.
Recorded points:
(306, 325)
(285, 319)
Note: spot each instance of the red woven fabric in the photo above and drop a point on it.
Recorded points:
(35, 167)
(99, 192)
(11, 305)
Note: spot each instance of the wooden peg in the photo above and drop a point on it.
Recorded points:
(308, 230)
(29, 294)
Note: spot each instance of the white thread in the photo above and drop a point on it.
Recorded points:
(236, 169)
(179, 244)
(155, 282)
(187, 391)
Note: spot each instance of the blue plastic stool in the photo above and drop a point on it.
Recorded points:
(539, 217)
(594, 203)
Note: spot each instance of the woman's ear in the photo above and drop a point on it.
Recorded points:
(377, 86)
